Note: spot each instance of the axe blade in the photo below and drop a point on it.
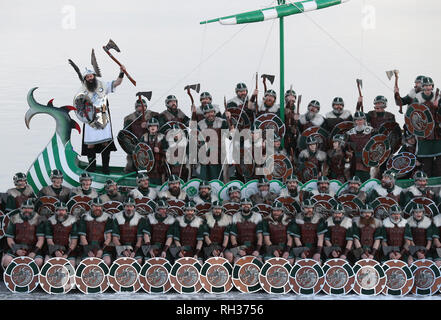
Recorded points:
(360, 83)
(147, 94)
(269, 77)
(389, 74)
(112, 45)
(195, 87)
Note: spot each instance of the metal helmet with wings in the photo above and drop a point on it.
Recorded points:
(94, 65)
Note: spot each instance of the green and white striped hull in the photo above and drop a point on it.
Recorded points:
(276, 12)
(64, 158)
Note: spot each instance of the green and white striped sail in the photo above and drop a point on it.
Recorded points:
(276, 12)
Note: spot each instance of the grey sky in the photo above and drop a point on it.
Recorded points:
(162, 42)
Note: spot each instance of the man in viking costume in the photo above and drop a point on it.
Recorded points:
(56, 189)
(387, 188)
(112, 193)
(241, 101)
(97, 128)
(337, 115)
(263, 195)
(174, 191)
(314, 155)
(62, 234)
(378, 116)
(337, 160)
(268, 104)
(20, 193)
(205, 98)
(354, 185)
(217, 233)
(25, 235)
(367, 234)
(205, 194)
(85, 187)
(144, 189)
(291, 123)
(339, 237)
(420, 189)
(95, 231)
(173, 113)
(410, 97)
(311, 117)
(421, 228)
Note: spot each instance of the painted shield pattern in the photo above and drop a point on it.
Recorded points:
(430, 207)
(184, 275)
(306, 277)
(319, 133)
(351, 204)
(370, 278)
(203, 208)
(176, 207)
(376, 151)
(381, 207)
(263, 209)
(427, 277)
(46, 206)
(85, 110)
(92, 275)
(291, 204)
(78, 205)
(112, 207)
(143, 157)
(402, 163)
(127, 141)
(278, 166)
(308, 171)
(393, 132)
(399, 278)
(270, 121)
(419, 120)
(323, 204)
(239, 119)
(339, 277)
(4, 220)
(57, 276)
(246, 272)
(21, 275)
(145, 205)
(274, 276)
(342, 128)
(216, 275)
(124, 275)
(155, 275)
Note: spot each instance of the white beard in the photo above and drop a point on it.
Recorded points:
(360, 128)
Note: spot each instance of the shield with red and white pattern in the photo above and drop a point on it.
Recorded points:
(370, 278)
(339, 277)
(216, 275)
(399, 278)
(91, 276)
(155, 275)
(427, 277)
(246, 272)
(274, 276)
(306, 277)
(57, 276)
(21, 275)
(124, 275)
(184, 275)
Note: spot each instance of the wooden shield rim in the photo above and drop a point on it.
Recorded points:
(381, 281)
(430, 121)
(236, 112)
(383, 201)
(131, 136)
(146, 148)
(7, 278)
(306, 263)
(216, 261)
(310, 165)
(264, 283)
(426, 202)
(378, 138)
(238, 284)
(409, 282)
(340, 130)
(91, 261)
(340, 263)
(387, 129)
(127, 261)
(285, 160)
(402, 172)
(57, 261)
(146, 286)
(173, 274)
(425, 263)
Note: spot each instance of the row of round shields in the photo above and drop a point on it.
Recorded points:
(187, 275)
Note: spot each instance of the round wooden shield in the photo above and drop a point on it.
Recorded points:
(306, 277)
(399, 278)
(323, 204)
(78, 205)
(402, 163)
(176, 207)
(342, 128)
(278, 166)
(145, 205)
(57, 276)
(263, 209)
(112, 207)
(339, 277)
(92, 276)
(246, 272)
(127, 141)
(381, 207)
(124, 275)
(143, 157)
(84, 108)
(270, 121)
(370, 278)
(393, 132)
(291, 205)
(155, 275)
(351, 204)
(239, 119)
(21, 275)
(167, 126)
(308, 171)
(419, 120)
(320, 134)
(376, 151)
(203, 208)
(46, 206)
(427, 277)
(4, 220)
(430, 207)
(216, 275)
(274, 276)
(231, 207)
(184, 275)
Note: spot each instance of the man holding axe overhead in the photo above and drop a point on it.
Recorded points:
(205, 98)
(91, 100)
(241, 101)
(291, 121)
(268, 104)
(408, 99)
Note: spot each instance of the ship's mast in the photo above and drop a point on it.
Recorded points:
(282, 69)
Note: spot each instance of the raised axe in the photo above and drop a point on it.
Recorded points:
(360, 86)
(195, 87)
(268, 77)
(112, 45)
(148, 96)
(299, 100)
(390, 74)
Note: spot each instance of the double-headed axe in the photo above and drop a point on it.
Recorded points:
(360, 86)
(148, 95)
(397, 95)
(268, 77)
(195, 87)
(112, 45)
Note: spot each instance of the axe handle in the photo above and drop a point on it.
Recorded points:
(398, 96)
(191, 97)
(360, 95)
(119, 63)
(143, 112)
(298, 104)
(264, 84)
